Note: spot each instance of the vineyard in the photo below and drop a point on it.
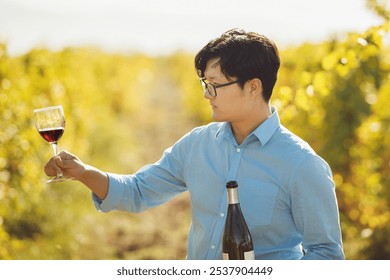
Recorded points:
(123, 110)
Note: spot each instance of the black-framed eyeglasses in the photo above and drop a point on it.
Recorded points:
(212, 89)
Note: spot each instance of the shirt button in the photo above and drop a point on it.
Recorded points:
(213, 247)
(238, 150)
(222, 215)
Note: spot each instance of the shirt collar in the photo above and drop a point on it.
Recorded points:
(263, 132)
(223, 131)
(267, 129)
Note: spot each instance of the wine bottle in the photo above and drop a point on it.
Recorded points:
(237, 241)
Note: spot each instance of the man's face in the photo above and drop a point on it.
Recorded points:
(231, 102)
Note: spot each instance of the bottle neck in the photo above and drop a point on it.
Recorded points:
(233, 196)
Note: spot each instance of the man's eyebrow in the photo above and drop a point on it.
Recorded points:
(211, 79)
(215, 64)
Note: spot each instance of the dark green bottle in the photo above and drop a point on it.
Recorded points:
(237, 240)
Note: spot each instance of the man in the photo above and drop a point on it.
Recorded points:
(286, 191)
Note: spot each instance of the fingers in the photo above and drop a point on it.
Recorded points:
(57, 163)
(65, 155)
(51, 167)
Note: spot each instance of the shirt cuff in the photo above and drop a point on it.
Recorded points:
(114, 195)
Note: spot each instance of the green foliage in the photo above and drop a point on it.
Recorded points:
(122, 111)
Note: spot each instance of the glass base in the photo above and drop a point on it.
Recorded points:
(58, 179)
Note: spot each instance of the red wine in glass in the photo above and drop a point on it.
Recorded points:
(52, 135)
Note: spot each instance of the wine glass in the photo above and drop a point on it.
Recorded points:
(50, 123)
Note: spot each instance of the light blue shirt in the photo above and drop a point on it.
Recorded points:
(286, 191)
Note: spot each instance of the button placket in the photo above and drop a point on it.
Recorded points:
(220, 223)
(235, 163)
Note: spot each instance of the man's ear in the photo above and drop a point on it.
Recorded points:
(255, 87)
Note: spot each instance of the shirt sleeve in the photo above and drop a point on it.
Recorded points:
(151, 186)
(315, 209)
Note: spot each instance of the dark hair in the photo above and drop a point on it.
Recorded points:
(245, 55)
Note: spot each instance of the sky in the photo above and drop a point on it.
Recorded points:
(163, 26)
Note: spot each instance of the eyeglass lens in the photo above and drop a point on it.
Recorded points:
(209, 87)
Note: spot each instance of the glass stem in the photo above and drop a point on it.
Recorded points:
(54, 145)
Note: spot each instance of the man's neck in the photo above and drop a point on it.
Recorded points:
(241, 129)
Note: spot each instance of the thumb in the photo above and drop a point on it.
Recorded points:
(52, 167)
(60, 162)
